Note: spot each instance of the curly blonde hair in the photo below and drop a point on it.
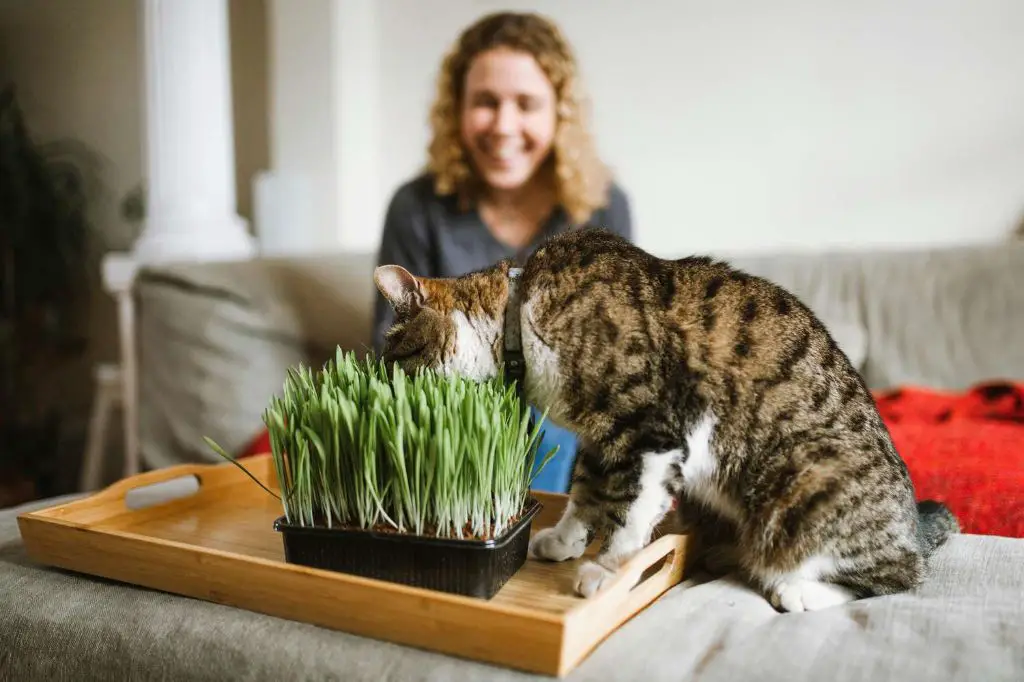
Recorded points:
(581, 178)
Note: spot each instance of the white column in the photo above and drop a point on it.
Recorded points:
(189, 136)
(189, 154)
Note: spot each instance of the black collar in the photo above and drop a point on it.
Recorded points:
(515, 362)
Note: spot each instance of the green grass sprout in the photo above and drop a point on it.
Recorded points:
(361, 444)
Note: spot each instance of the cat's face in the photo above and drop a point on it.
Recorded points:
(452, 326)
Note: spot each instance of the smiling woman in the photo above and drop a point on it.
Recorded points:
(508, 122)
(511, 163)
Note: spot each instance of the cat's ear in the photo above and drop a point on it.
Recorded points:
(400, 287)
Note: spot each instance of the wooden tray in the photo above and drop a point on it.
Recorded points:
(217, 543)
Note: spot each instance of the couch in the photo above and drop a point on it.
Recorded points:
(216, 338)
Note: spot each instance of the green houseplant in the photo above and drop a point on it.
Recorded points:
(44, 250)
(420, 479)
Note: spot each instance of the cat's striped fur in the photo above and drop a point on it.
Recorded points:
(689, 379)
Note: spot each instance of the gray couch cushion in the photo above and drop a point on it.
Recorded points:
(945, 318)
(211, 355)
(965, 625)
(216, 340)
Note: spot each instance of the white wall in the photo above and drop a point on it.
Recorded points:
(752, 126)
(298, 196)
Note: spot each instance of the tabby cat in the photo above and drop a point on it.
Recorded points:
(687, 379)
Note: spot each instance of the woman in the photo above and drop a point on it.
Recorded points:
(511, 163)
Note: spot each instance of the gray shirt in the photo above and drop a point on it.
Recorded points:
(430, 236)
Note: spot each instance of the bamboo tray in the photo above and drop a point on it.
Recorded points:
(218, 544)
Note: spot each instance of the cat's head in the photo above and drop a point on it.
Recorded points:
(451, 325)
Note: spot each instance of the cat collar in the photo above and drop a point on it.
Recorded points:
(515, 362)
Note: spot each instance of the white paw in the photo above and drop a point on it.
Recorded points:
(590, 578)
(795, 595)
(549, 544)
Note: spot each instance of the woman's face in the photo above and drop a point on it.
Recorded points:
(508, 117)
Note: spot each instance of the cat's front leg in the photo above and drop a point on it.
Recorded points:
(575, 530)
(632, 505)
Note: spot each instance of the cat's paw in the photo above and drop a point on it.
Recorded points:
(796, 595)
(591, 577)
(550, 544)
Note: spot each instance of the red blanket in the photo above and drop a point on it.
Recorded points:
(963, 449)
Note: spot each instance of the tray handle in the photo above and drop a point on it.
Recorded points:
(205, 474)
(628, 594)
(629, 576)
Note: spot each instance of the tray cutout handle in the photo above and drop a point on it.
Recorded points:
(652, 571)
(152, 494)
(160, 486)
(644, 567)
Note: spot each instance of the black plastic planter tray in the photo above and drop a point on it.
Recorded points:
(475, 568)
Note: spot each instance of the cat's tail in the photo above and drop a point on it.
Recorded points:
(936, 524)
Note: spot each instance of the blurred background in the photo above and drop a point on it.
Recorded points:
(282, 128)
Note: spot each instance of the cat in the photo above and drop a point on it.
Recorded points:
(689, 380)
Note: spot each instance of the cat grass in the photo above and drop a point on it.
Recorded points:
(362, 444)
